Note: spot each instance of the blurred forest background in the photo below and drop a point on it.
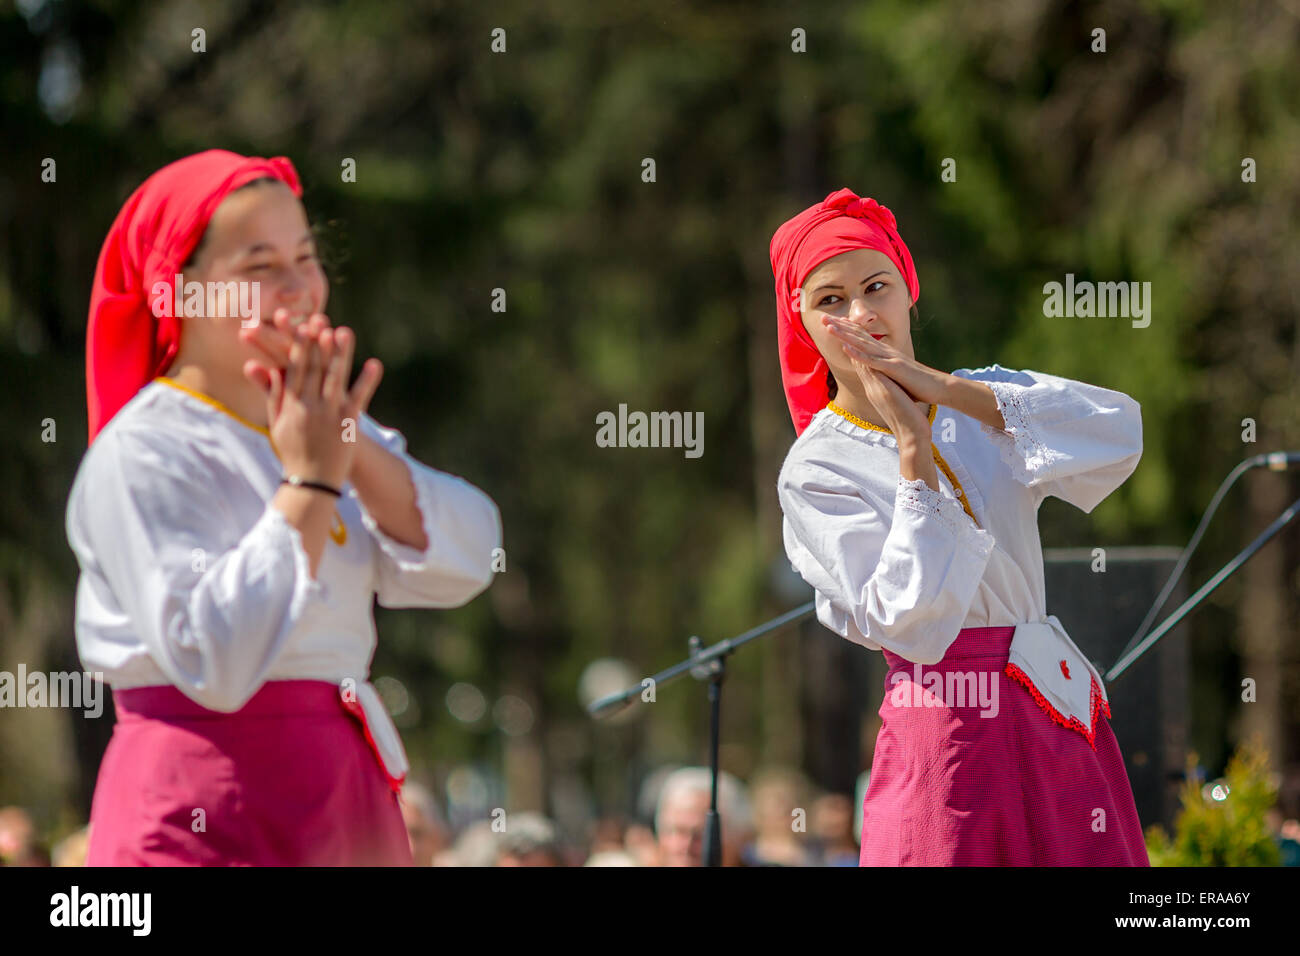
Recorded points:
(522, 170)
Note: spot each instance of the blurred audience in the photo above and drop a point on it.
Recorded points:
(786, 824)
(71, 850)
(832, 831)
(18, 844)
(780, 819)
(682, 812)
(424, 823)
(529, 839)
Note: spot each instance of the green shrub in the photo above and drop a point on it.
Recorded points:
(1228, 832)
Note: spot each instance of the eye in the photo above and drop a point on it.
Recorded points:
(877, 282)
(307, 257)
(826, 299)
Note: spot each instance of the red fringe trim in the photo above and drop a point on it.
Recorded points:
(1099, 705)
(354, 708)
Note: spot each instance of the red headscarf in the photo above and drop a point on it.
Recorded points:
(151, 238)
(841, 222)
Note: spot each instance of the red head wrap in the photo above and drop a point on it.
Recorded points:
(841, 222)
(151, 238)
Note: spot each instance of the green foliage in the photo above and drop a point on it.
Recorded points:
(521, 171)
(1228, 832)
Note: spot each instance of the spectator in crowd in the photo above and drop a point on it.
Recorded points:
(477, 845)
(529, 839)
(424, 824)
(71, 850)
(18, 844)
(642, 845)
(780, 818)
(611, 858)
(683, 808)
(831, 826)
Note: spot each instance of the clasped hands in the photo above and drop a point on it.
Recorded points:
(304, 369)
(919, 382)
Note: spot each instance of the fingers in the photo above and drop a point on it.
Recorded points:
(364, 388)
(315, 368)
(857, 354)
(275, 395)
(340, 366)
(270, 344)
(258, 374)
(297, 365)
(854, 334)
(282, 323)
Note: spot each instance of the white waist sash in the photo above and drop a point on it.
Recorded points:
(1063, 681)
(383, 732)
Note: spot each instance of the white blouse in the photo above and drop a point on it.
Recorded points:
(898, 565)
(190, 577)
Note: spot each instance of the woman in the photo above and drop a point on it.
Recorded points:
(234, 516)
(910, 503)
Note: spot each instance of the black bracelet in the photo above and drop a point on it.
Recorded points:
(303, 483)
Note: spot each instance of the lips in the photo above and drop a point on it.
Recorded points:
(877, 336)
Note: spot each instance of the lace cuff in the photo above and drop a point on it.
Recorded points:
(917, 496)
(1022, 449)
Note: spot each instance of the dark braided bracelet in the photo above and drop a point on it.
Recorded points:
(304, 483)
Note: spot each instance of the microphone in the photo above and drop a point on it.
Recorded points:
(1273, 461)
(1278, 460)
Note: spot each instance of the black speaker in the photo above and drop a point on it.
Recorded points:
(1100, 611)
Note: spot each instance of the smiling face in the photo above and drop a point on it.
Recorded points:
(257, 234)
(865, 287)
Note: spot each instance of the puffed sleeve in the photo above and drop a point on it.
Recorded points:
(212, 603)
(1068, 439)
(462, 526)
(904, 582)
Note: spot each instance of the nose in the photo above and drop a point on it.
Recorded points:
(859, 311)
(293, 293)
(289, 287)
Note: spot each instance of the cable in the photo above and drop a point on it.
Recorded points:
(1256, 462)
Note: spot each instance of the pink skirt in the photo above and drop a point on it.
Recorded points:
(949, 787)
(288, 780)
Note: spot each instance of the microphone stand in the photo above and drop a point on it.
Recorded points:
(1204, 591)
(704, 664)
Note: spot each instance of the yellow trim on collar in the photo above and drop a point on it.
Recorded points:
(338, 533)
(209, 400)
(938, 458)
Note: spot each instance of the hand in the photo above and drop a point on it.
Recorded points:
(920, 382)
(308, 401)
(894, 405)
(273, 339)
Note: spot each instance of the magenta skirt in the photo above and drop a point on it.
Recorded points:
(949, 787)
(288, 780)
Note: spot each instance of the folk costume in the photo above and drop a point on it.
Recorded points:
(247, 730)
(994, 747)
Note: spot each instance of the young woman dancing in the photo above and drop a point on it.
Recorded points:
(234, 517)
(910, 502)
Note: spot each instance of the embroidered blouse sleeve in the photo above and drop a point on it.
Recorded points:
(904, 582)
(213, 607)
(1068, 439)
(462, 526)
